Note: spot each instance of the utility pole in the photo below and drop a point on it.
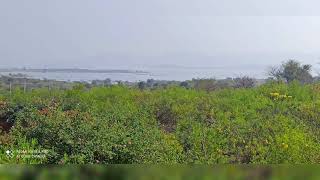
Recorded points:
(25, 85)
(10, 87)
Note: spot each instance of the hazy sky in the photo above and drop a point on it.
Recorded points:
(123, 33)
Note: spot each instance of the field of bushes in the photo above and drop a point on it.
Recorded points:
(270, 124)
(161, 172)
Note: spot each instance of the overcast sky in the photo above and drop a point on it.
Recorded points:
(136, 33)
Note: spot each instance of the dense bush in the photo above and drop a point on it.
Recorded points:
(156, 172)
(292, 70)
(272, 123)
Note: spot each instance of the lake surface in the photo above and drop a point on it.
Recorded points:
(159, 73)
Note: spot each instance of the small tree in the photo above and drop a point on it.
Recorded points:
(185, 84)
(244, 82)
(205, 84)
(292, 70)
(107, 82)
(142, 85)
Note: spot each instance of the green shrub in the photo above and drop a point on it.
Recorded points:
(272, 123)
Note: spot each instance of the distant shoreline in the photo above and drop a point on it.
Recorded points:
(130, 75)
(71, 70)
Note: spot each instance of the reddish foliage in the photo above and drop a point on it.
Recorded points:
(72, 113)
(44, 112)
(5, 126)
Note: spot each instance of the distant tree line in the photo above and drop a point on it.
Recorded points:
(287, 72)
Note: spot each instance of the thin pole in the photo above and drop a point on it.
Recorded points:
(25, 86)
(10, 87)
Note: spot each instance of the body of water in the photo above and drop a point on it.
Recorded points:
(159, 73)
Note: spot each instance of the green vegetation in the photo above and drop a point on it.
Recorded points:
(272, 123)
(292, 70)
(269, 124)
(143, 172)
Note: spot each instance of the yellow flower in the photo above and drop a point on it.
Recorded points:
(285, 146)
(274, 94)
(277, 96)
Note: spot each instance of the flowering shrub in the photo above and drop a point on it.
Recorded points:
(278, 96)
